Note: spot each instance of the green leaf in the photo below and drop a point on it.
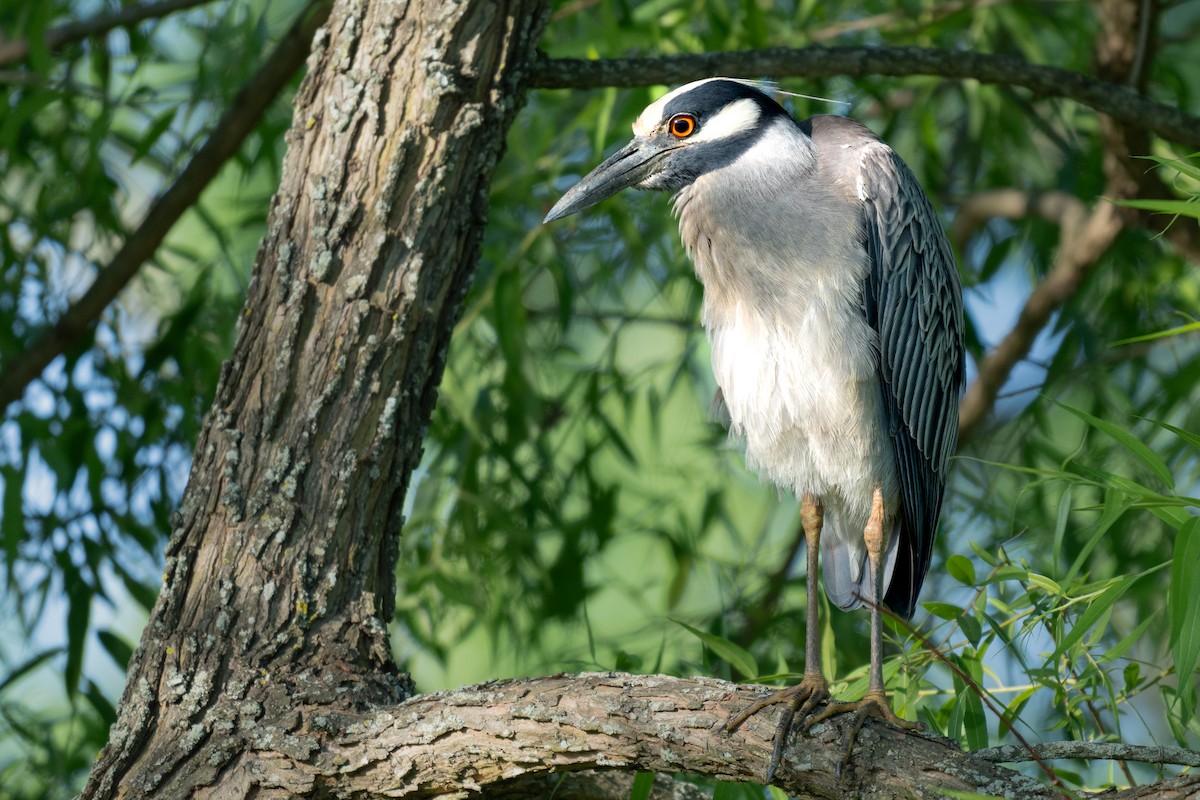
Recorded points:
(27, 666)
(961, 569)
(1132, 675)
(974, 719)
(987, 558)
(944, 610)
(1115, 506)
(1129, 442)
(1060, 524)
(1009, 572)
(79, 611)
(1096, 609)
(1189, 437)
(1045, 583)
(1120, 648)
(1185, 208)
(733, 654)
(615, 438)
(1150, 337)
(153, 133)
(967, 719)
(971, 629)
(608, 102)
(1180, 165)
(100, 703)
(728, 790)
(116, 647)
(1183, 598)
(643, 782)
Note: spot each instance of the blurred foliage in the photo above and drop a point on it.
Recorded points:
(95, 457)
(577, 509)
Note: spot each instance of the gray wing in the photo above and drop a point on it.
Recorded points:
(914, 302)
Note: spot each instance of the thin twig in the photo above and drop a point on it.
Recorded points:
(972, 212)
(55, 38)
(226, 138)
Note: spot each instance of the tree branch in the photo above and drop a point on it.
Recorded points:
(1070, 214)
(1120, 102)
(55, 38)
(1089, 751)
(226, 138)
(1082, 244)
(492, 739)
(1055, 206)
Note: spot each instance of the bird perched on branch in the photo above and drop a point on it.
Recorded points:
(833, 305)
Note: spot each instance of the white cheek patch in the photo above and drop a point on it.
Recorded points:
(735, 118)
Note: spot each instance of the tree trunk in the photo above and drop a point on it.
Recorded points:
(270, 630)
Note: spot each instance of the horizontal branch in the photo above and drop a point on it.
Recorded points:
(55, 38)
(1090, 751)
(1117, 101)
(487, 739)
(226, 138)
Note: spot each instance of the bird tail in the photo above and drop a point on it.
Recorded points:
(845, 568)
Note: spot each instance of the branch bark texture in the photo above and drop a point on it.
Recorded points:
(270, 629)
(1145, 754)
(510, 738)
(1113, 99)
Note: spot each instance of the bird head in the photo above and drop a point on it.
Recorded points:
(695, 129)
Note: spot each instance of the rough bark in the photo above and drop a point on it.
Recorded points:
(279, 574)
(517, 739)
(473, 738)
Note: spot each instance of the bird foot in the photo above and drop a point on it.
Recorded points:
(874, 704)
(801, 699)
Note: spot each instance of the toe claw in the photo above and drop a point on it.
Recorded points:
(803, 701)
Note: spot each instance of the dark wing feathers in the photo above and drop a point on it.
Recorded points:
(913, 300)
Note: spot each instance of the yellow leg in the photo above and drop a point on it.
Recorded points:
(874, 703)
(803, 698)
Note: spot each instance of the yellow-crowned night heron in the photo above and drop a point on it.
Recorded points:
(832, 302)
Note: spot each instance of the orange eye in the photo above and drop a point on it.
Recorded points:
(682, 126)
